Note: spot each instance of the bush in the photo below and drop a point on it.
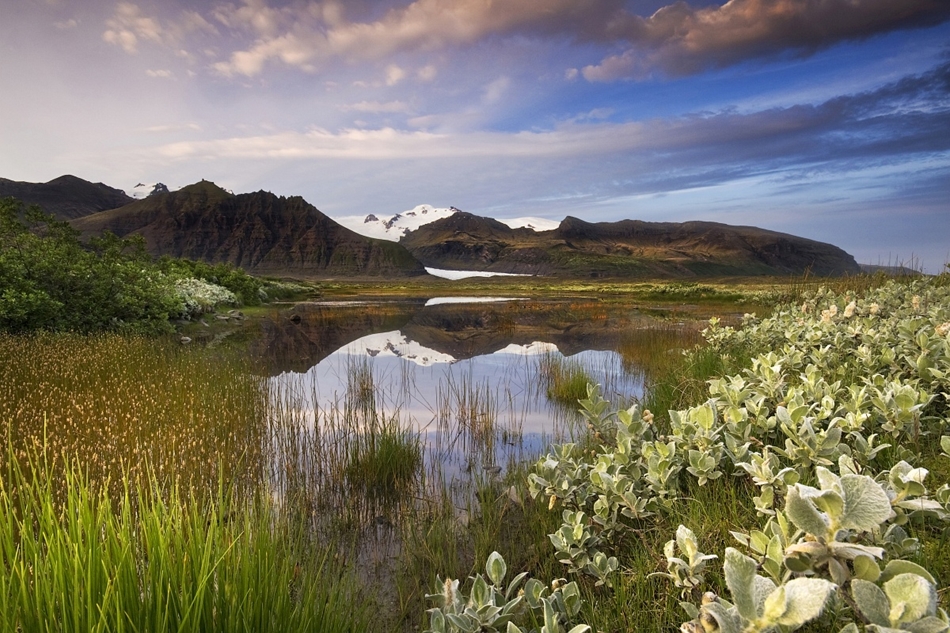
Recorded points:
(51, 281)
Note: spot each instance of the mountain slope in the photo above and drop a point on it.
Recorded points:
(629, 248)
(66, 197)
(259, 232)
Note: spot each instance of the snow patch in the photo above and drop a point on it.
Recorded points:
(533, 223)
(462, 274)
(436, 301)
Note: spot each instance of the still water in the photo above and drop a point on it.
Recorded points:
(471, 376)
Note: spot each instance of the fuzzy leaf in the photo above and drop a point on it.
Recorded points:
(898, 566)
(871, 601)
(480, 592)
(762, 588)
(797, 601)
(866, 568)
(930, 624)
(827, 480)
(866, 505)
(912, 598)
(740, 578)
(496, 568)
(728, 619)
(803, 513)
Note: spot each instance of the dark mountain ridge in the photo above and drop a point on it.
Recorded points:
(66, 197)
(260, 232)
(628, 248)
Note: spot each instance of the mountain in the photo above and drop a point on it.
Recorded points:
(629, 248)
(66, 197)
(395, 227)
(260, 232)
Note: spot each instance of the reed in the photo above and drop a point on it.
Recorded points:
(76, 557)
(565, 380)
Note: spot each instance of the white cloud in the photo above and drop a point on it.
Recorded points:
(495, 90)
(163, 74)
(127, 26)
(427, 73)
(394, 74)
(377, 106)
(65, 25)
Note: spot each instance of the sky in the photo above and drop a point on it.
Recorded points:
(828, 119)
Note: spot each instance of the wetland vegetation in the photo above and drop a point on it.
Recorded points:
(375, 466)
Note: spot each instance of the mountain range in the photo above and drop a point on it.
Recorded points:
(260, 232)
(265, 233)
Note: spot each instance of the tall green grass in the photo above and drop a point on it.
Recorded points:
(76, 557)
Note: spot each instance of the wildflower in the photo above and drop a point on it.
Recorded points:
(915, 301)
(943, 329)
(874, 308)
(552, 501)
(849, 310)
(806, 308)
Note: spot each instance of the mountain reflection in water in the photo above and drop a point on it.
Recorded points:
(468, 377)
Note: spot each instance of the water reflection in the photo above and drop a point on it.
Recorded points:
(471, 379)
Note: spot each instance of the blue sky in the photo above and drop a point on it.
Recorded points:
(828, 119)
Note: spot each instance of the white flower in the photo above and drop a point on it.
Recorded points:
(874, 308)
(849, 310)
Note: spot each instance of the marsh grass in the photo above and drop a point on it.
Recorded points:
(565, 379)
(116, 403)
(74, 556)
(384, 458)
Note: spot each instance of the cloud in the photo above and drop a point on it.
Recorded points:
(394, 74)
(495, 90)
(427, 73)
(321, 32)
(377, 107)
(66, 25)
(679, 39)
(127, 26)
(163, 74)
(887, 125)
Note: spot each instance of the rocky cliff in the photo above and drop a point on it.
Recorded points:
(260, 232)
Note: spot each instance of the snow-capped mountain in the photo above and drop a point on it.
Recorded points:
(393, 227)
